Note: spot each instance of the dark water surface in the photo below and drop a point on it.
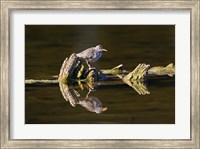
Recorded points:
(46, 47)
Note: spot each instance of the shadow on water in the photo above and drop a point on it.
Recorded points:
(109, 102)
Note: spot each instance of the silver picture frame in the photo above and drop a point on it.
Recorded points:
(193, 6)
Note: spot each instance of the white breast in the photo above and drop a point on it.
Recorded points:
(96, 56)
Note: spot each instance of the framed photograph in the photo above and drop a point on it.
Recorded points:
(100, 74)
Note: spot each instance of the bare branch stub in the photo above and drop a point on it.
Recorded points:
(68, 68)
(138, 73)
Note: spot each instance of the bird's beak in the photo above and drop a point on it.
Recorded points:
(104, 50)
(104, 109)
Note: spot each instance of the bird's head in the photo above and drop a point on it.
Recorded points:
(99, 48)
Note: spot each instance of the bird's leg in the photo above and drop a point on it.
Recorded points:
(88, 93)
(90, 68)
(88, 64)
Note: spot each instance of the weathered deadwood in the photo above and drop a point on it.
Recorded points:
(135, 79)
(75, 69)
(67, 69)
(137, 74)
(160, 70)
(115, 71)
(32, 81)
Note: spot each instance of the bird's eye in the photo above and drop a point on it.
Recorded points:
(99, 46)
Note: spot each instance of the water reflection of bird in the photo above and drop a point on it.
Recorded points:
(91, 54)
(92, 104)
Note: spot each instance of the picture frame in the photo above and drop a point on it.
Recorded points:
(8, 6)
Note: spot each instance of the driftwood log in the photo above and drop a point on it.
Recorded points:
(75, 76)
(75, 70)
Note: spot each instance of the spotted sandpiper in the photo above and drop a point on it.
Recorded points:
(91, 54)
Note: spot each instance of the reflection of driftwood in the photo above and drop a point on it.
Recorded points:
(135, 79)
(92, 104)
(68, 94)
(139, 87)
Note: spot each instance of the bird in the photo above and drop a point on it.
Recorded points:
(91, 54)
